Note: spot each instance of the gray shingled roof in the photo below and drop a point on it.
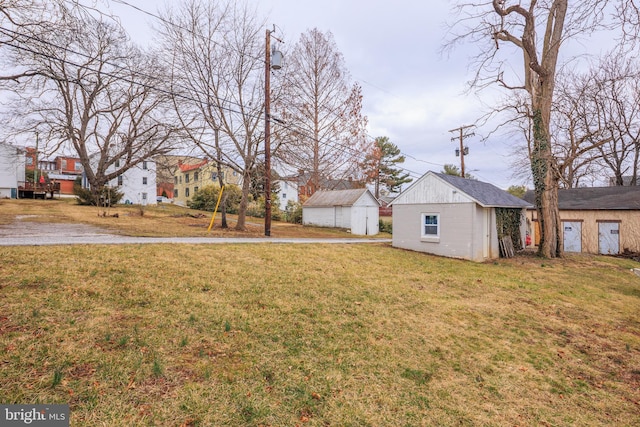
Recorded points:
(488, 195)
(334, 198)
(596, 198)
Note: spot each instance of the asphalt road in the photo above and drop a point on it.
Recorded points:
(28, 233)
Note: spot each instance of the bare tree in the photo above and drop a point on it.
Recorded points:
(91, 92)
(216, 51)
(325, 132)
(536, 30)
(616, 104)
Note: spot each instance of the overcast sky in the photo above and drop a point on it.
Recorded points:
(412, 94)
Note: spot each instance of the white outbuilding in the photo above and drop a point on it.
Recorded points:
(454, 217)
(356, 210)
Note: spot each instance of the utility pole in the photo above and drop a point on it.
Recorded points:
(277, 56)
(462, 151)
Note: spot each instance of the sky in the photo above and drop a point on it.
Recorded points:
(413, 94)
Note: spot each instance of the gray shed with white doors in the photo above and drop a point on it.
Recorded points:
(451, 216)
(356, 210)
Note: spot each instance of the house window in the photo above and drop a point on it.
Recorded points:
(180, 179)
(144, 196)
(186, 192)
(120, 180)
(144, 165)
(116, 164)
(195, 190)
(284, 195)
(195, 177)
(78, 166)
(214, 176)
(144, 180)
(186, 177)
(175, 192)
(175, 179)
(431, 225)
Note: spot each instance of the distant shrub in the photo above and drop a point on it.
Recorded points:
(107, 197)
(294, 212)
(385, 226)
(206, 198)
(256, 208)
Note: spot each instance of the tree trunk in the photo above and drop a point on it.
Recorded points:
(545, 180)
(244, 202)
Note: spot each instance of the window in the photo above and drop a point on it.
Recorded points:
(144, 180)
(214, 176)
(195, 190)
(78, 166)
(195, 177)
(175, 179)
(186, 177)
(284, 195)
(186, 192)
(431, 225)
(144, 165)
(117, 163)
(175, 192)
(180, 179)
(120, 180)
(144, 196)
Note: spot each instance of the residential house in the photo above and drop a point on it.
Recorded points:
(597, 220)
(138, 184)
(167, 166)
(355, 210)
(190, 177)
(452, 216)
(12, 170)
(307, 185)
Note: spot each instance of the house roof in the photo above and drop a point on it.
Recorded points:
(595, 198)
(323, 198)
(187, 168)
(487, 195)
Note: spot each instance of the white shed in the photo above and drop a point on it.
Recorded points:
(452, 216)
(356, 210)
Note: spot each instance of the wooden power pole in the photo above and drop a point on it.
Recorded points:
(462, 135)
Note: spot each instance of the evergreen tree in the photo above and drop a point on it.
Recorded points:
(381, 166)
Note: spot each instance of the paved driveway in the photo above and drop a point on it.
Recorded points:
(28, 233)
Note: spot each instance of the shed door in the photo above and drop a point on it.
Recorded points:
(338, 222)
(609, 238)
(572, 236)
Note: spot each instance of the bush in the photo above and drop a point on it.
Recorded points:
(84, 196)
(385, 226)
(206, 198)
(294, 212)
(256, 208)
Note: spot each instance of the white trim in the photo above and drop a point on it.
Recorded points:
(428, 236)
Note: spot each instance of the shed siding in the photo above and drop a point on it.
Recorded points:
(431, 190)
(457, 224)
(629, 226)
(323, 217)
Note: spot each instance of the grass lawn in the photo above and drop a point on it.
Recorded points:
(162, 220)
(318, 335)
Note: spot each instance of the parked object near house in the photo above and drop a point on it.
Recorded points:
(12, 170)
(452, 216)
(597, 220)
(356, 210)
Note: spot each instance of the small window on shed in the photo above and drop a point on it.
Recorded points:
(430, 225)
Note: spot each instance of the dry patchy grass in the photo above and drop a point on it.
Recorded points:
(163, 220)
(315, 335)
